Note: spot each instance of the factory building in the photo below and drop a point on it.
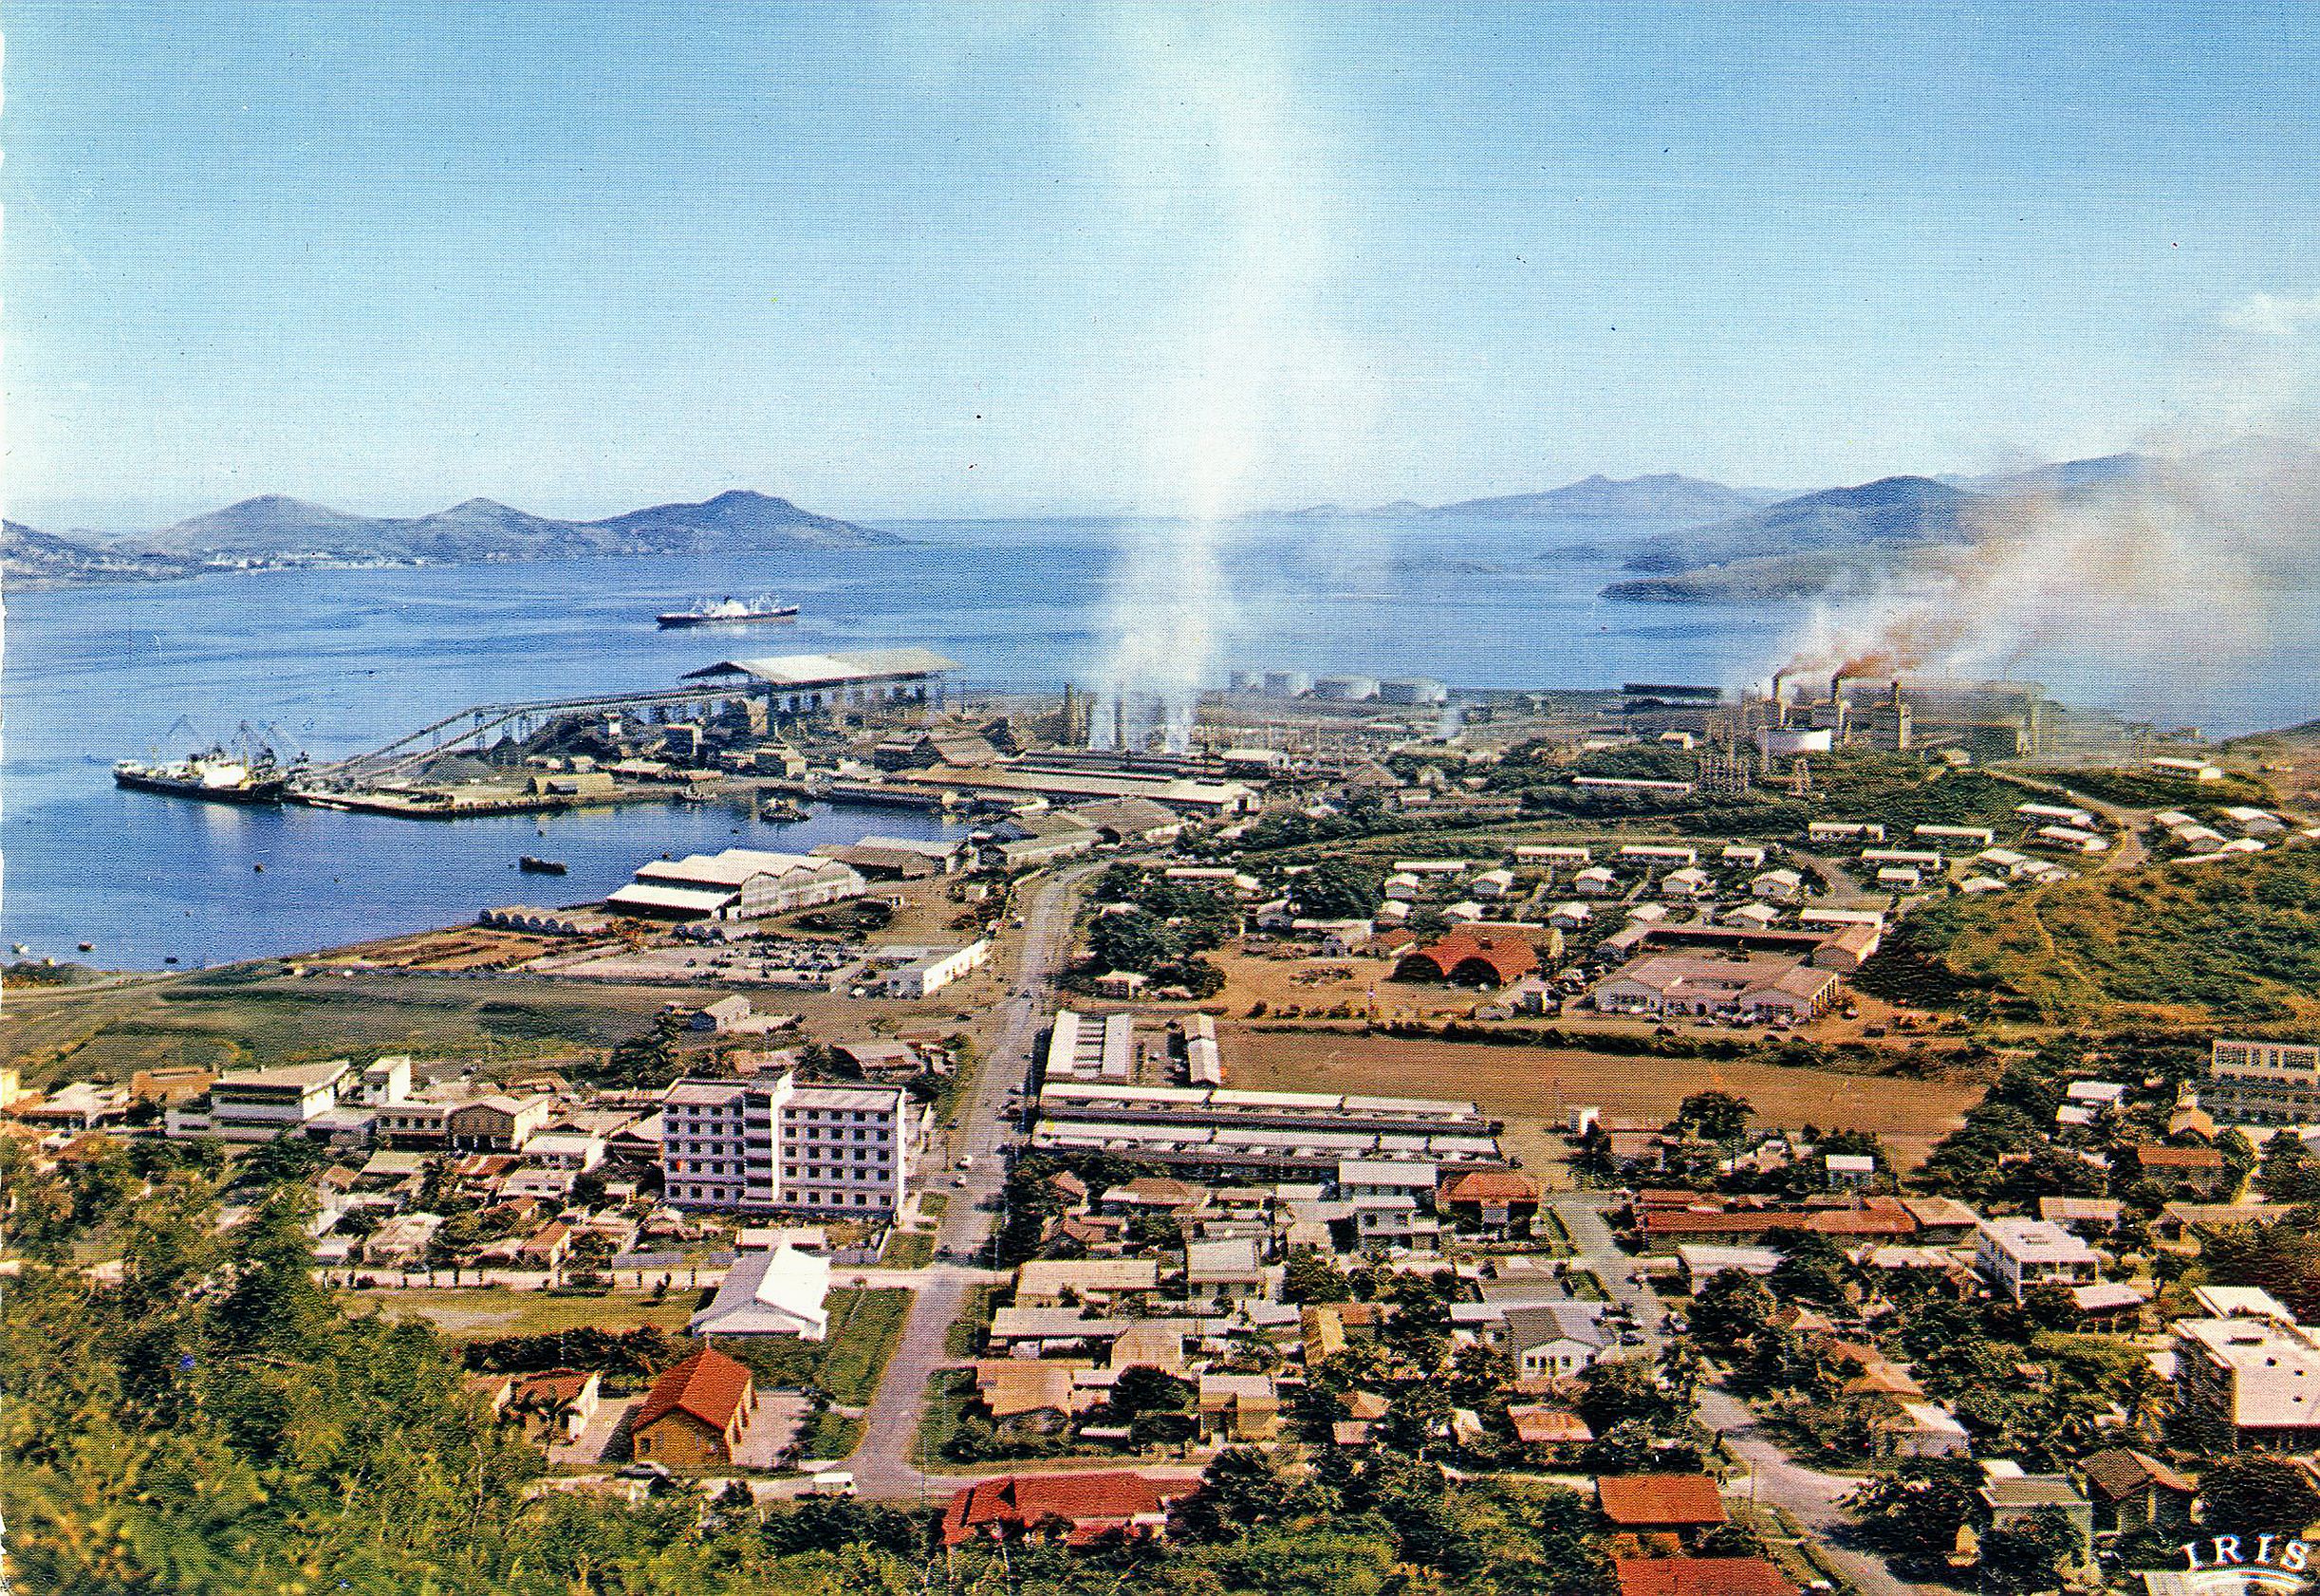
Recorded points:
(738, 883)
(793, 684)
(759, 1146)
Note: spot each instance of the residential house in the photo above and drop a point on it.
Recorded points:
(1552, 1341)
(1654, 1504)
(1699, 1576)
(1239, 1408)
(695, 1414)
(2016, 1256)
(2134, 1491)
(2196, 1172)
(2009, 1495)
(1084, 1282)
(1076, 1509)
(777, 1291)
(1501, 1201)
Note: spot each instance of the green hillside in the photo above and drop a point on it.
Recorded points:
(2234, 939)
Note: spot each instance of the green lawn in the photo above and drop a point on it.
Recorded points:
(865, 1325)
(964, 1338)
(910, 1250)
(947, 1392)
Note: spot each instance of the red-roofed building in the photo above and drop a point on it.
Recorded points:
(1497, 1199)
(1699, 1576)
(695, 1413)
(1658, 1504)
(1078, 1508)
(1471, 959)
(2199, 1170)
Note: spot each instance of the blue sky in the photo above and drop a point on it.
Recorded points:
(912, 260)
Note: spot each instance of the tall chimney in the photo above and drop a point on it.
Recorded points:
(1836, 685)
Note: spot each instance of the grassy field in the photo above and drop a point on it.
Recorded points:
(256, 1015)
(963, 1339)
(1533, 1088)
(865, 1325)
(236, 1018)
(2238, 938)
(910, 1250)
(477, 1315)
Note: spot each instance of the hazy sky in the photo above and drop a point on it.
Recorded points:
(894, 260)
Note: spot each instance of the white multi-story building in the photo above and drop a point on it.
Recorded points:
(2262, 1082)
(774, 1145)
(260, 1104)
(2261, 1374)
(2016, 1256)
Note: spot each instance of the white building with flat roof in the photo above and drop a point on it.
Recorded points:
(2260, 1375)
(2018, 1255)
(2262, 1082)
(767, 1145)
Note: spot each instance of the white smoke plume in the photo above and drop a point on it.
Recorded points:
(2194, 564)
(1217, 153)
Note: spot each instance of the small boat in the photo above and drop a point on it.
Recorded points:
(781, 811)
(534, 865)
(88, 947)
(728, 611)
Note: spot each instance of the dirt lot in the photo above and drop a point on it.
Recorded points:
(1532, 1088)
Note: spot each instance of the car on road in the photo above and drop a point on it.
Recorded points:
(644, 1471)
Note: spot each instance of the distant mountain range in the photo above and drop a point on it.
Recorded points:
(1634, 504)
(1839, 536)
(274, 530)
(31, 559)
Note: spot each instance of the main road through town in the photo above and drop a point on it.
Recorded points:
(1810, 1496)
(884, 1464)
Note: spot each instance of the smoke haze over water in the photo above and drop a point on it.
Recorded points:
(2190, 568)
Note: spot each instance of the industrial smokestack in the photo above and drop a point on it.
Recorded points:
(1836, 688)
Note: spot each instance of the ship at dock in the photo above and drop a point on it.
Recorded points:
(729, 612)
(214, 775)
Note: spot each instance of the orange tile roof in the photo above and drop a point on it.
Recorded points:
(709, 1385)
(1646, 1500)
(1699, 1576)
(1492, 1185)
(1084, 1505)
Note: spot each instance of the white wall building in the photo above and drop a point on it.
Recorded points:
(764, 1145)
(2016, 1256)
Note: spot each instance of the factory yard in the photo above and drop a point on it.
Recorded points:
(1534, 1089)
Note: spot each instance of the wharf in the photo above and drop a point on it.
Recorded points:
(409, 805)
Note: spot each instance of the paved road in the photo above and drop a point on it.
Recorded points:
(1809, 1495)
(882, 1465)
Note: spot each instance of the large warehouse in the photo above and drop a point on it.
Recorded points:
(739, 883)
(801, 683)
